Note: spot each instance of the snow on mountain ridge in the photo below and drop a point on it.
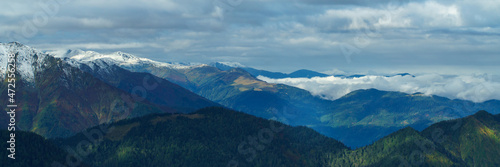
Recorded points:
(92, 59)
(28, 60)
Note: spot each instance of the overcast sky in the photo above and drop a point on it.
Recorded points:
(383, 36)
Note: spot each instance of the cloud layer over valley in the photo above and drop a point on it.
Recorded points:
(477, 88)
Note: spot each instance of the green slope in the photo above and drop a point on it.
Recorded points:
(208, 137)
(474, 139)
(31, 150)
(406, 147)
(221, 137)
(470, 141)
(157, 90)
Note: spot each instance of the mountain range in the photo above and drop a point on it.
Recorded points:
(118, 109)
(303, 73)
(57, 99)
(78, 89)
(369, 113)
(220, 137)
(374, 114)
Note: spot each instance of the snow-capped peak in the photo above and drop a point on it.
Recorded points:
(118, 58)
(122, 59)
(27, 60)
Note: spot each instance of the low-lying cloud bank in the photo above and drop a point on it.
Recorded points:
(477, 88)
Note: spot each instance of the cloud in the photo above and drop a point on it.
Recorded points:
(177, 45)
(413, 15)
(96, 23)
(99, 46)
(477, 88)
(277, 35)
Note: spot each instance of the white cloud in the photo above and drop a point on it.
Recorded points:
(421, 15)
(278, 35)
(218, 12)
(477, 88)
(312, 41)
(334, 72)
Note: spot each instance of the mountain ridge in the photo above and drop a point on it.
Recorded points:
(240, 90)
(56, 99)
(213, 136)
(301, 73)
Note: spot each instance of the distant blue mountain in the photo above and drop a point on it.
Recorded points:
(360, 75)
(269, 74)
(401, 74)
(350, 76)
(357, 119)
(303, 73)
